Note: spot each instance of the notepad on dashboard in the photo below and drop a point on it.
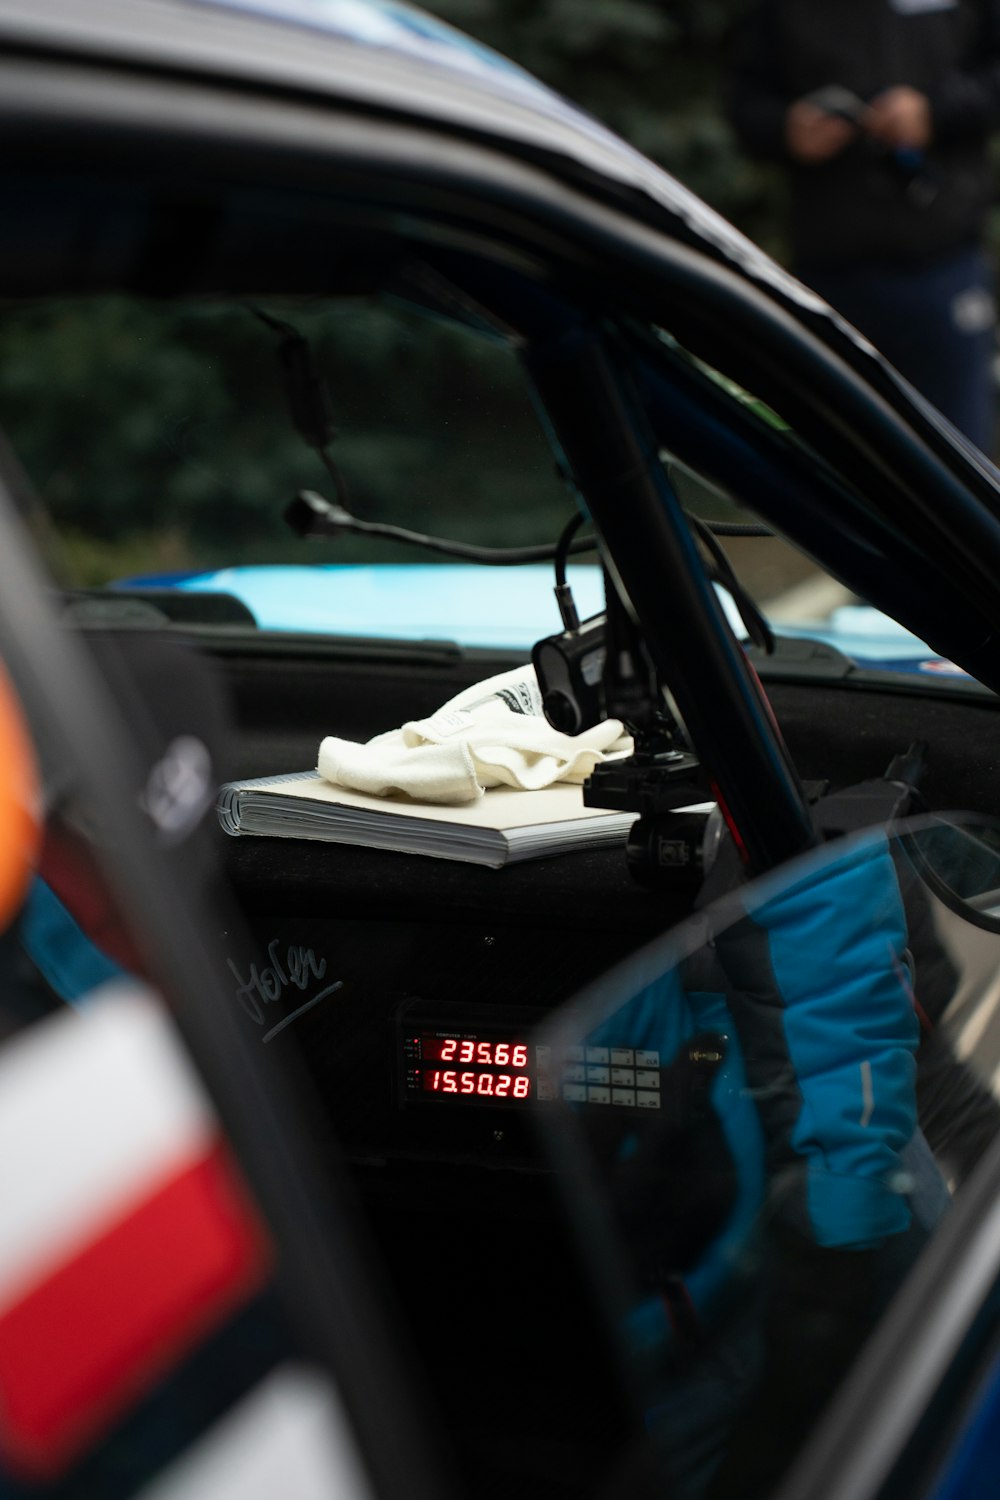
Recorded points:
(503, 826)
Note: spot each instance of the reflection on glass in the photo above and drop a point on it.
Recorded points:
(762, 1120)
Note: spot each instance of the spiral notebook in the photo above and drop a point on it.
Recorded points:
(502, 827)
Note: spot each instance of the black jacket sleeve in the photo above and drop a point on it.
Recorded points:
(965, 104)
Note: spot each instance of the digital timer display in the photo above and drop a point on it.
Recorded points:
(483, 1084)
(467, 1050)
(481, 1057)
(468, 1066)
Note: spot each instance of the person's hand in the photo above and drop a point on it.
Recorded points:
(900, 117)
(812, 135)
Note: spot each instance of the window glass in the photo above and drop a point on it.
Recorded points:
(797, 596)
(161, 442)
(761, 1120)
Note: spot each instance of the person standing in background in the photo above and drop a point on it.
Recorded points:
(882, 112)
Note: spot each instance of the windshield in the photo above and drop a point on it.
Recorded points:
(161, 439)
(162, 443)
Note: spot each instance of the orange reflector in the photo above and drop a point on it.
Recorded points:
(20, 804)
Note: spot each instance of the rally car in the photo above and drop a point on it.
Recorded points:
(659, 1161)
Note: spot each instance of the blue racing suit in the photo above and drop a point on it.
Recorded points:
(802, 995)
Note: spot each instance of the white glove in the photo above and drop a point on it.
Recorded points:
(492, 734)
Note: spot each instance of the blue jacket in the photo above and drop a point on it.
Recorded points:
(806, 987)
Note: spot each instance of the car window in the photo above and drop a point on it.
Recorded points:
(800, 599)
(161, 442)
(733, 1116)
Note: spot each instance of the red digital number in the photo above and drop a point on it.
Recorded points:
(449, 1083)
(466, 1051)
(521, 1087)
(448, 1049)
(503, 1054)
(504, 1082)
(519, 1058)
(485, 1084)
(483, 1053)
(435, 1079)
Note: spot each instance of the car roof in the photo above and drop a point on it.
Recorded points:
(389, 58)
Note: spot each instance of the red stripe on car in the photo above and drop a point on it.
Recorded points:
(94, 1332)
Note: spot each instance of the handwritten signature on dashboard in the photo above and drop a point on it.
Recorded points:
(270, 982)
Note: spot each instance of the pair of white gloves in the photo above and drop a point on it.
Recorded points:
(492, 734)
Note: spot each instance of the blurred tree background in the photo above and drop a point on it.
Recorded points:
(651, 70)
(157, 434)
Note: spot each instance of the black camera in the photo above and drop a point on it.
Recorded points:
(570, 670)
